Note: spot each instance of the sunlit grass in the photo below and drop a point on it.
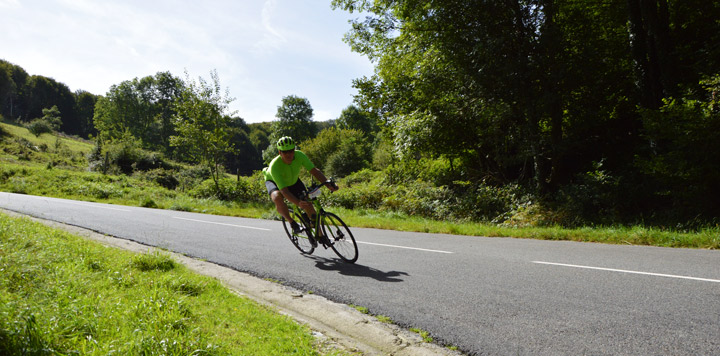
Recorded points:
(61, 294)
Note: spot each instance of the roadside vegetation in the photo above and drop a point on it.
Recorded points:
(61, 294)
(56, 166)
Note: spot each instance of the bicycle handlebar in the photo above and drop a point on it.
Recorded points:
(315, 188)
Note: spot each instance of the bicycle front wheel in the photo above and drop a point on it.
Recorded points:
(341, 239)
(301, 240)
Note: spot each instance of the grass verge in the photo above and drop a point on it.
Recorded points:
(61, 294)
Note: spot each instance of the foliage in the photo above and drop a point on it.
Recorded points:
(23, 98)
(163, 177)
(39, 127)
(202, 124)
(294, 119)
(50, 122)
(243, 189)
(355, 119)
(536, 93)
(338, 152)
(125, 156)
(144, 107)
(680, 168)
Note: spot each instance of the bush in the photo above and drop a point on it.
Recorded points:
(39, 126)
(163, 177)
(241, 190)
(191, 177)
(125, 156)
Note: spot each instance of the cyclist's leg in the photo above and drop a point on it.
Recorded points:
(279, 200)
(298, 189)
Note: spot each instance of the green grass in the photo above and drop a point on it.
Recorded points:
(61, 294)
(424, 334)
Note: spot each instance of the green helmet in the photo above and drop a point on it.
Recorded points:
(286, 143)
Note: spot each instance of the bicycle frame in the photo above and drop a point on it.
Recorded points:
(328, 229)
(319, 211)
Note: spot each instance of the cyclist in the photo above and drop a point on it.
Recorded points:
(282, 180)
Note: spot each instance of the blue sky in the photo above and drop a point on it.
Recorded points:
(262, 50)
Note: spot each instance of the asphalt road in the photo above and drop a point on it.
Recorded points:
(492, 296)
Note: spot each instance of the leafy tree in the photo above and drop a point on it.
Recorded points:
(50, 122)
(202, 123)
(52, 116)
(42, 92)
(245, 157)
(85, 110)
(142, 106)
(7, 86)
(354, 119)
(680, 171)
(339, 152)
(494, 84)
(13, 106)
(294, 119)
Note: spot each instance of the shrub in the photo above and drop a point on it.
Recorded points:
(39, 126)
(240, 190)
(125, 156)
(190, 177)
(163, 177)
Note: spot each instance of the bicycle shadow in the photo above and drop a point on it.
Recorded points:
(356, 270)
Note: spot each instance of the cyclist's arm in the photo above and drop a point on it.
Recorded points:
(321, 178)
(293, 199)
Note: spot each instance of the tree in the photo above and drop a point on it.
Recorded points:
(244, 158)
(202, 123)
(500, 85)
(339, 152)
(85, 110)
(50, 122)
(7, 87)
(294, 119)
(353, 118)
(13, 106)
(144, 107)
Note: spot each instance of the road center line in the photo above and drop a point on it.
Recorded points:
(627, 271)
(217, 223)
(405, 247)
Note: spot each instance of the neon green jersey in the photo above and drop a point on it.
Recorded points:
(285, 175)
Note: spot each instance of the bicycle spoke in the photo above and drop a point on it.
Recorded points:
(302, 239)
(342, 241)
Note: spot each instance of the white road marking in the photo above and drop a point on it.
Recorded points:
(217, 223)
(65, 201)
(627, 271)
(405, 247)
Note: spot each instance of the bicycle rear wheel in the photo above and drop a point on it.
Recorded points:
(301, 240)
(341, 239)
